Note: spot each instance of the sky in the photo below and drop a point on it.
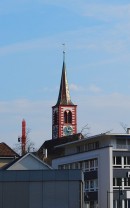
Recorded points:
(96, 34)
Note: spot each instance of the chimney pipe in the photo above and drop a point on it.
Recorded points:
(128, 130)
(23, 137)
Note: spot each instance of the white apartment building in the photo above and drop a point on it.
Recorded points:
(105, 160)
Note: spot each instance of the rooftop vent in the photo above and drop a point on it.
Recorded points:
(128, 130)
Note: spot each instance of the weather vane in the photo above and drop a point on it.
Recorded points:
(63, 44)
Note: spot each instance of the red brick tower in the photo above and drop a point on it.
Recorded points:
(64, 115)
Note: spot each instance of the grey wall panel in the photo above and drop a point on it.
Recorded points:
(21, 194)
(48, 194)
(61, 195)
(36, 194)
(15, 195)
(74, 195)
(8, 195)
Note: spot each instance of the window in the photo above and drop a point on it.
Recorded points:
(92, 185)
(80, 148)
(114, 182)
(87, 185)
(118, 182)
(114, 160)
(90, 146)
(81, 165)
(67, 116)
(128, 160)
(126, 181)
(77, 165)
(86, 165)
(86, 147)
(96, 145)
(91, 164)
(96, 184)
(118, 160)
(96, 163)
(121, 143)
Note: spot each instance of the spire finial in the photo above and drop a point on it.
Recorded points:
(63, 52)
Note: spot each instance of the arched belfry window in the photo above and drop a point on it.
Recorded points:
(55, 118)
(67, 116)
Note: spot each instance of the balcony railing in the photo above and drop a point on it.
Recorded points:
(119, 146)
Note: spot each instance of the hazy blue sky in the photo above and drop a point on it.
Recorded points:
(97, 38)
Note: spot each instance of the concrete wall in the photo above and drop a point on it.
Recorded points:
(41, 189)
(105, 178)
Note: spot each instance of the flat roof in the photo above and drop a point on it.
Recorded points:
(92, 137)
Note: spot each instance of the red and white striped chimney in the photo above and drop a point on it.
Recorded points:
(23, 142)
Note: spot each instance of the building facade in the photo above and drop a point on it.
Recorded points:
(105, 161)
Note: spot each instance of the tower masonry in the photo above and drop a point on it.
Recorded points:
(64, 113)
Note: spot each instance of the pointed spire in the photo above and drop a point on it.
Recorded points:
(64, 94)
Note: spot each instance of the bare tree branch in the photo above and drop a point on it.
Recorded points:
(124, 126)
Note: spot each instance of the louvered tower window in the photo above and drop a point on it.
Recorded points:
(67, 117)
(55, 118)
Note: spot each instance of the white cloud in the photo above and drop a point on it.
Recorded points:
(107, 11)
(95, 89)
(75, 87)
(41, 43)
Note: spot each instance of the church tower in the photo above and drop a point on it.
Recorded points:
(64, 116)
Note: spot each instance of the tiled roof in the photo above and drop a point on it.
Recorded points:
(50, 144)
(6, 151)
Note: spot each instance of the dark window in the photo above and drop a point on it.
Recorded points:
(119, 182)
(118, 160)
(128, 160)
(128, 181)
(125, 161)
(114, 182)
(114, 161)
(96, 145)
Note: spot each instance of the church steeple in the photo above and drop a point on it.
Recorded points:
(64, 113)
(64, 94)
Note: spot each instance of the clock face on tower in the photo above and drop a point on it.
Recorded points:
(67, 130)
